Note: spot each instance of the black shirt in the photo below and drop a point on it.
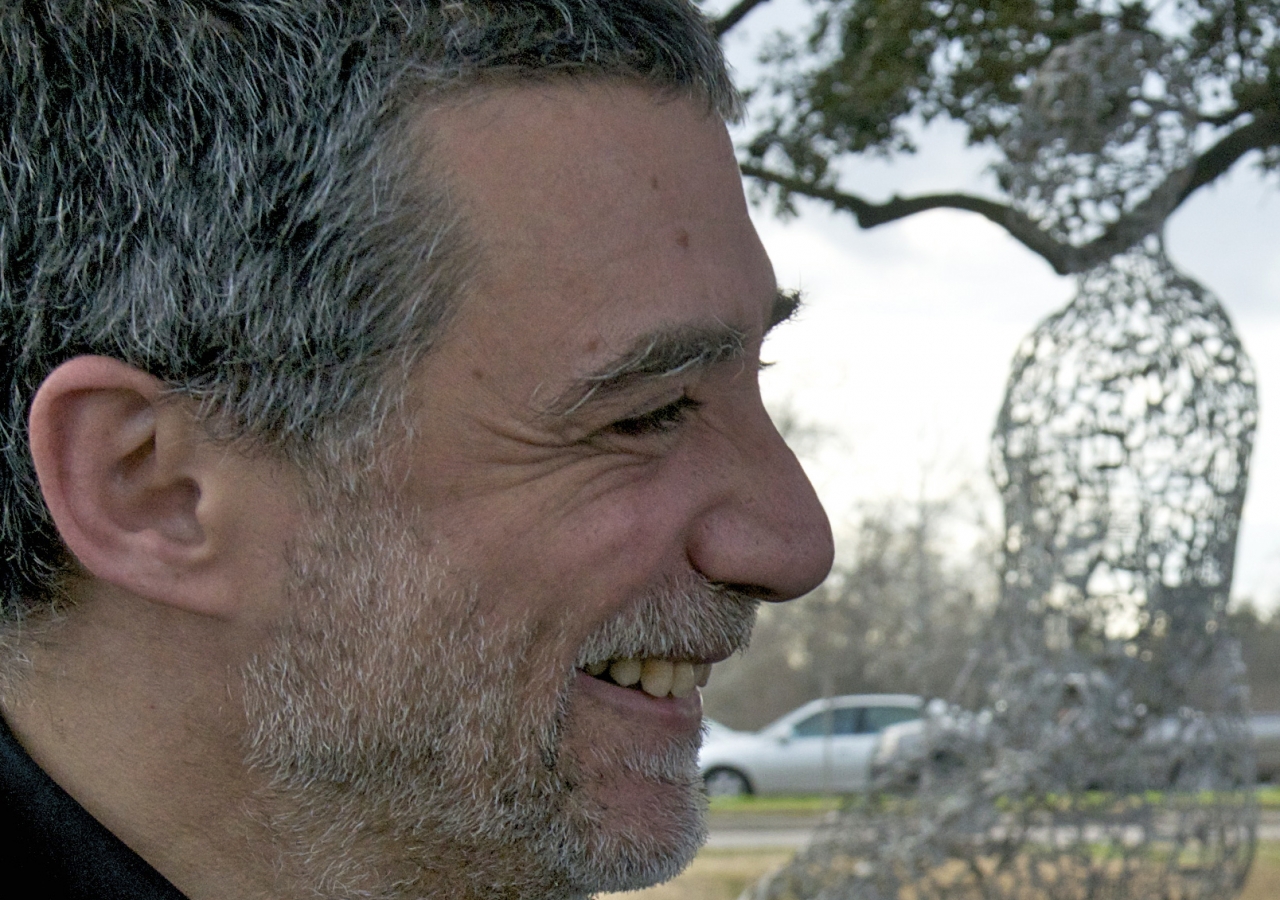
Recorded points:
(50, 847)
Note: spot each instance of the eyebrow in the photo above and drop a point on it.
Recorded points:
(666, 353)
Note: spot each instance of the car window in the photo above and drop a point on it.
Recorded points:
(840, 721)
(847, 721)
(814, 726)
(877, 718)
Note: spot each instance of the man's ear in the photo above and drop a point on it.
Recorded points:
(140, 495)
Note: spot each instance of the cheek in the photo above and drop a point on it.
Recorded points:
(588, 557)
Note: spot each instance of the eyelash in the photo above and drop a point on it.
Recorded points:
(662, 419)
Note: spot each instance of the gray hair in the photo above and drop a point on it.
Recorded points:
(222, 193)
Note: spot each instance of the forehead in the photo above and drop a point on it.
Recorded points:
(602, 211)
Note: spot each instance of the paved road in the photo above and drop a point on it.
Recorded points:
(759, 831)
(761, 839)
(792, 833)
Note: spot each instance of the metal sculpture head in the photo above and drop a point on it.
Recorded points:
(1106, 121)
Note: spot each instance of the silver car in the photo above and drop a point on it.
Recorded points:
(824, 746)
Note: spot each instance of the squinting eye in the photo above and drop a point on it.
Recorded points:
(664, 418)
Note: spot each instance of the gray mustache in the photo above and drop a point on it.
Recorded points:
(693, 619)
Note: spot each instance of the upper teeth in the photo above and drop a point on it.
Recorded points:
(656, 677)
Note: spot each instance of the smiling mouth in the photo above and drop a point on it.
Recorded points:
(656, 677)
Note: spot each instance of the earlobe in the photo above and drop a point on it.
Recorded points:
(120, 467)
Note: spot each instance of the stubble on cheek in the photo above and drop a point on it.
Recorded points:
(400, 732)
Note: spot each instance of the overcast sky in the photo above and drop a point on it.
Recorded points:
(903, 349)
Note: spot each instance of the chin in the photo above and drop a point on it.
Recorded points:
(640, 819)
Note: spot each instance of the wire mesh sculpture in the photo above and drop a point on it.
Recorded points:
(1110, 759)
(1121, 453)
(1109, 756)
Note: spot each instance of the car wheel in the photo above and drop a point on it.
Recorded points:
(726, 783)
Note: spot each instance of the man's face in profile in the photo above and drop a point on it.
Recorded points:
(589, 476)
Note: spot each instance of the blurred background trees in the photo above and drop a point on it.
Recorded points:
(1259, 637)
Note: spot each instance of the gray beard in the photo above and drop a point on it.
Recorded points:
(412, 746)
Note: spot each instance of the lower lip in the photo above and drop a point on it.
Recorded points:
(670, 713)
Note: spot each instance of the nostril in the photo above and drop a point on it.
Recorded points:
(753, 592)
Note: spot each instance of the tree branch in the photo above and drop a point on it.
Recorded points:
(869, 215)
(1263, 131)
(1066, 259)
(736, 14)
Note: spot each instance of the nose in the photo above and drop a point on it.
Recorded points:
(764, 531)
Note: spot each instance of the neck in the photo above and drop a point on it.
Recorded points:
(128, 706)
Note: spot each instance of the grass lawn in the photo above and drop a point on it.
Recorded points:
(790, 804)
(724, 874)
